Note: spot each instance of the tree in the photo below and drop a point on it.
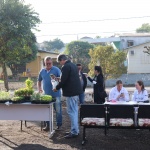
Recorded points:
(15, 65)
(17, 41)
(145, 28)
(97, 37)
(54, 45)
(79, 50)
(112, 62)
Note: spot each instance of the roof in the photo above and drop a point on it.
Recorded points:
(102, 40)
(135, 35)
(86, 37)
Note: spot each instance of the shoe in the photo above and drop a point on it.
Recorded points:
(66, 133)
(46, 128)
(70, 135)
(58, 128)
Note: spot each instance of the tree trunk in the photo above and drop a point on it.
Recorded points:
(13, 70)
(5, 76)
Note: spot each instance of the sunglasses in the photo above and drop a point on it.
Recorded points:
(48, 63)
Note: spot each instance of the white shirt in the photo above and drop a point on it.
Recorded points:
(114, 93)
(142, 96)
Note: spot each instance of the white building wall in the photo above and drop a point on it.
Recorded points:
(137, 40)
(140, 61)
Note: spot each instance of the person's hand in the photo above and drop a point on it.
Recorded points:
(118, 96)
(57, 79)
(54, 90)
(94, 82)
(122, 95)
(86, 75)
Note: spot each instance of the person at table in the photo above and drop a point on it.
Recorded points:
(140, 94)
(44, 77)
(119, 93)
(98, 82)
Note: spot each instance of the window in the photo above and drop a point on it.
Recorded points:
(130, 43)
(132, 52)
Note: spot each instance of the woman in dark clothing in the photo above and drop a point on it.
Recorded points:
(98, 87)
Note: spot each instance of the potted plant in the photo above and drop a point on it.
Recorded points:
(4, 96)
(37, 98)
(17, 99)
(27, 91)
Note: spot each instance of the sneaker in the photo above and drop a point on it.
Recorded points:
(70, 135)
(66, 133)
(58, 128)
(46, 128)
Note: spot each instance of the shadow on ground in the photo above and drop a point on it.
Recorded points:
(33, 147)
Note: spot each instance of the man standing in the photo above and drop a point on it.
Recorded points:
(83, 81)
(71, 87)
(44, 76)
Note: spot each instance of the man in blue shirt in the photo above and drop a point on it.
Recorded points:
(44, 77)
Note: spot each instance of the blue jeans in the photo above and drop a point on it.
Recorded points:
(58, 109)
(81, 98)
(72, 110)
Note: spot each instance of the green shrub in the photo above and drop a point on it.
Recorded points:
(46, 98)
(17, 98)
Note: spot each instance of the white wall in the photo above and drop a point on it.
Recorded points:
(137, 40)
(140, 61)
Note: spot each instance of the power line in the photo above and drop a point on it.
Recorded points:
(98, 20)
(85, 33)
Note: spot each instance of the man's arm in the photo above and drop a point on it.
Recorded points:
(111, 94)
(126, 95)
(64, 77)
(39, 87)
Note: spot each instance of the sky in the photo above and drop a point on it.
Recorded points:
(63, 19)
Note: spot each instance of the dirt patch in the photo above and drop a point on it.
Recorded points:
(32, 138)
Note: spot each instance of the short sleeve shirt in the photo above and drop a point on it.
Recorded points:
(44, 76)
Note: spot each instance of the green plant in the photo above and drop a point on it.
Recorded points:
(20, 92)
(29, 83)
(17, 98)
(24, 92)
(30, 92)
(35, 96)
(4, 95)
(47, 98)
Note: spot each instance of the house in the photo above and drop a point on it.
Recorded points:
(33, 68)
(138, 61)
(133, 39)
(121, 41)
